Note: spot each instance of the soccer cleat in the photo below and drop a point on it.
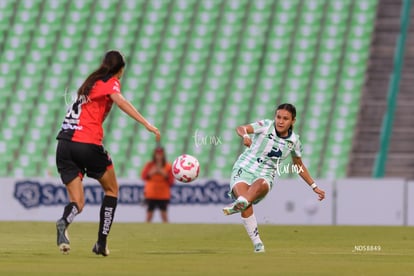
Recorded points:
(62, 237)
(237, 206)
(100, 250)
(259, 248)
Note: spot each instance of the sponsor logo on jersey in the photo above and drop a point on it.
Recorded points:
(71, 121)
(116, 87)
(69, 126)
(290, 145)
(271, 137)
(274, 152)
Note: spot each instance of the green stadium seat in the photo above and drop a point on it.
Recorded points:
(349, 87)
(185, 59)
(6, 12)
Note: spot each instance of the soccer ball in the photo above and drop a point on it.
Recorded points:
(185, 168)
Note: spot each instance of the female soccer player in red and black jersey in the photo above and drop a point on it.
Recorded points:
(80, 151)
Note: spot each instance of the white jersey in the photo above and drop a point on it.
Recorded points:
(267, 149)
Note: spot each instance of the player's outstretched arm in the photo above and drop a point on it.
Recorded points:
(129, 109)
(304, 173)
(244, 131)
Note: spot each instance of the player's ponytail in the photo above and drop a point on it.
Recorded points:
(112, 62)
(288, 107)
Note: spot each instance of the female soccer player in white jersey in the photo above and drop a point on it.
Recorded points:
(254, 171)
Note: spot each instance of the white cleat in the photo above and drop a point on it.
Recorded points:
(259, 248)
(237, 206)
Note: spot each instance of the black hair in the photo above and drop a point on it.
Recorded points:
(112, 62)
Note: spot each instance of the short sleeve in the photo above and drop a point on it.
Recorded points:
(297, 149)
(116, 88)
(260, 126)
(112, 87)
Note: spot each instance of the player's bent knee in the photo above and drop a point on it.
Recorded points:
(263, 183)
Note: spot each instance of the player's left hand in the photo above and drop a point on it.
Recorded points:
(321, 193)
(154, 130)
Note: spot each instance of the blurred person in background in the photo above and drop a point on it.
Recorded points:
(158, 178)
(80, 150)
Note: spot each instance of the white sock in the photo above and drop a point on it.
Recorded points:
(250, 224)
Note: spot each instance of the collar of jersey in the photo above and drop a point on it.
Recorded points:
(283, 137)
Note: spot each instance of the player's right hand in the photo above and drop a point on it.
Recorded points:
(247, 141)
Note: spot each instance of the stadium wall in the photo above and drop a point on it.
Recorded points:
(348, 202)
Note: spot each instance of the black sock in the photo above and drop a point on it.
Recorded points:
(106, 217)
(69, 213)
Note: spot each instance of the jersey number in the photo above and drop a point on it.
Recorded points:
(75, 111)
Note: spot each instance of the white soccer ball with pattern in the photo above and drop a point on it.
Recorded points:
(185, 168)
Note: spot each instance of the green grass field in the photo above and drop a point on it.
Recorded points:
(29, 248)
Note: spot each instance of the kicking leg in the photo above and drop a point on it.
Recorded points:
(257, 190)
(240, 203)
(246, 194)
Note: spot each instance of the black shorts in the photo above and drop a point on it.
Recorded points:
(157, 203)
(75, 159)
